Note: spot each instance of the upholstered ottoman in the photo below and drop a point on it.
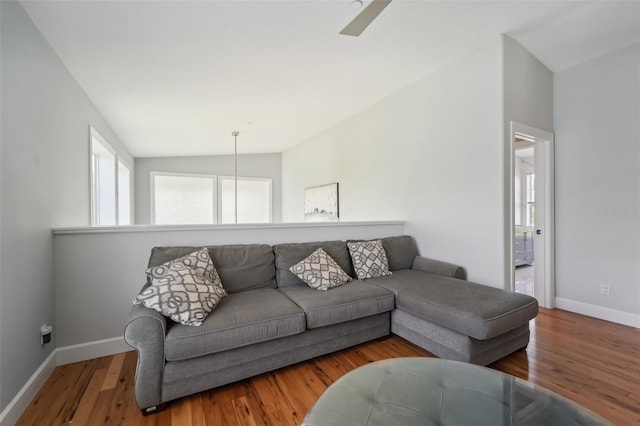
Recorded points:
(431, 391)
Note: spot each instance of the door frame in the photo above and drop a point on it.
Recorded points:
(546, 141)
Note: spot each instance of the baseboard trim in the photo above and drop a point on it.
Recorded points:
(21, 401)
(607, 314)
(85, 351)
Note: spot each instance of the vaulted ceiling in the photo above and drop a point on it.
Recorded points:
(177, 77)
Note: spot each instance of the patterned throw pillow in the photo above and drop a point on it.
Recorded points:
(320, 271)
(199, 261)
(369, 259)
(183, 290)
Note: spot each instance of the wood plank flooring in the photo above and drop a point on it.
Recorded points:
(592, 362)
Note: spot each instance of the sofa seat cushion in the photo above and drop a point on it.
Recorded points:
(355, 299)
(400, 280)
(240, 319)
(476, 310)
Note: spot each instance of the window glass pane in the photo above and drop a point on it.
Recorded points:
(124, 200)
(180, 200)
(103, 183)
(531, 191)
(254, 200)
(531, 198)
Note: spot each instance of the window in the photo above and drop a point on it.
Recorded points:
(254, 200)
(179, 199)
(103, 181)
(531, 199)
(110, 182)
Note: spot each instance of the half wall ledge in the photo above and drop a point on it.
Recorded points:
(226, 227)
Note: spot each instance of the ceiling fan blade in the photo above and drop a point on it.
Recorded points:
(362, 21)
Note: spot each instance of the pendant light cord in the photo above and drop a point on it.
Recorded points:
(235, 172)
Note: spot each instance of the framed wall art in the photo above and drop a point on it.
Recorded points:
(321, 203)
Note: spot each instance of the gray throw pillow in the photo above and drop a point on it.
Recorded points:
(369, 259)
(320, 271)
(199, 261)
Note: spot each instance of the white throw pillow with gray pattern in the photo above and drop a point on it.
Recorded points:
(369, 259)
(182, 295)
(186, 289)
(320, 271)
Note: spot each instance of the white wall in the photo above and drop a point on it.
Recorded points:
(528, 88)
(98, 272)
(45, 183)
(436, 154)
(597, 116)
(431, 153)
(249, 165)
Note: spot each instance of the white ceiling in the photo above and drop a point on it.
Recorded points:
(176, 77)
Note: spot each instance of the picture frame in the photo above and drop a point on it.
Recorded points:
(322, 203)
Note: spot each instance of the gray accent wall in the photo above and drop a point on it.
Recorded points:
(44, 177)
(249, 165)
(597, 120)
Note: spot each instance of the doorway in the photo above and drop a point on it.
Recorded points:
(524, 196)
(532, 225)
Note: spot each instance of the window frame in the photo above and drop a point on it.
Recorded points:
(152, 192)
(95, 136)
(217, 181)
(124, 165)
(530, 187)
(262, 179)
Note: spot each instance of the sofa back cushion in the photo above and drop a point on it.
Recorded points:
(401, 251)
(289, 254)
(241, 267)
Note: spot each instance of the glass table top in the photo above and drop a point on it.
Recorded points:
(432, 391)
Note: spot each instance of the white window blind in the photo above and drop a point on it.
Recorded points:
(254, 200)
(180, 199)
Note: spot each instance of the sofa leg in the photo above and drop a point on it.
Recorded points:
(524, 348)
(153, 409)
(383, 338)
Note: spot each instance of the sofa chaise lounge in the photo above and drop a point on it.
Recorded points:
(271, 319)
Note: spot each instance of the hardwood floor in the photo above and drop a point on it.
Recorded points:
(592, 362)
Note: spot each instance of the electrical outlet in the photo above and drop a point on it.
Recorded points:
(605, 289)
(45, 334)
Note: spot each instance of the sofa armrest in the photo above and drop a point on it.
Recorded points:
(439, 268)
(146, 333)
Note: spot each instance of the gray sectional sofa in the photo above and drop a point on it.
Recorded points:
(271, 319)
